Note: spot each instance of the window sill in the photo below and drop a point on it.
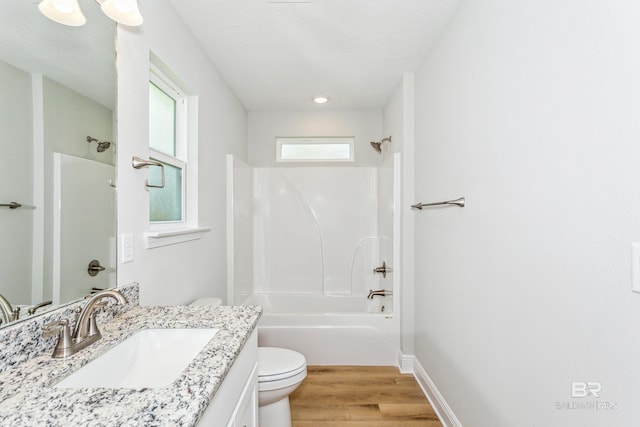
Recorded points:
(156, 239)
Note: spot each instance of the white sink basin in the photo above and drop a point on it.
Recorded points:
(151, 358)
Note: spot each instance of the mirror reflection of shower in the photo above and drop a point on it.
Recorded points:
(378, 145)
(102, 145)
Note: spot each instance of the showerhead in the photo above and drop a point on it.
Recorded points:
(102, 145)
(378, 145)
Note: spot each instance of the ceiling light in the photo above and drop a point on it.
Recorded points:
(320, 99)
(67, 12)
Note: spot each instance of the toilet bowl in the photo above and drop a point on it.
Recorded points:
(280, 372)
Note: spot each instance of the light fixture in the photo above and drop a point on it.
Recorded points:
(123, 11)
(67, 12)
(320, 99)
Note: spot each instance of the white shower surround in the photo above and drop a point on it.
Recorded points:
(315, 229)
(303, 242)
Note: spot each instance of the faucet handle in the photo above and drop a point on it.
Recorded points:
(52, 328)
(63, 347)
(93, 325)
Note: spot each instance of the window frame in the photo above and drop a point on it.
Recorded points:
(163, 233)
(181, 141)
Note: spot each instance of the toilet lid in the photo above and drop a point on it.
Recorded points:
(277, 363)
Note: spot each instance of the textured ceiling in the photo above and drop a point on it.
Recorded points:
(277, 55)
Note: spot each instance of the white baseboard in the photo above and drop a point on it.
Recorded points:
(440, 406)
(405, 363)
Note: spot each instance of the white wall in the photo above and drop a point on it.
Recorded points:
(239, 230)
(69, 118)
(530, 110)
(178, 273)
(264, 127)
(16, 183)
(393, 119)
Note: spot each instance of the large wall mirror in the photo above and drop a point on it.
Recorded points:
(58, 151)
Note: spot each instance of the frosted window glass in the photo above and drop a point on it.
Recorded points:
(315, 149)
(315, 152)
(166, 203)
(162, 121)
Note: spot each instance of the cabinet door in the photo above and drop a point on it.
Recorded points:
(237, 392)
(247, 415)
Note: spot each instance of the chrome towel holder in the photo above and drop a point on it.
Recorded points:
(138, 163)
(460, 202)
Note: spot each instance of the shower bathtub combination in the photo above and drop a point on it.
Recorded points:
(303, 243)
(330, 330)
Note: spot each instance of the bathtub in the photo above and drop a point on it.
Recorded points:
(330, 330)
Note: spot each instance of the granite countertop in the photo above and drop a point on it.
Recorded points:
(28, 399)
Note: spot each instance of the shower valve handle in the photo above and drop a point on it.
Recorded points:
(384, 270)
(94, 268)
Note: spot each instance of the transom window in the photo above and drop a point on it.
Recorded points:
(315, 149)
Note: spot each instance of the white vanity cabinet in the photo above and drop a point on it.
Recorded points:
(246, 411)
(235, 404)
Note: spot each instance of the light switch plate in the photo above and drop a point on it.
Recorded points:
(127, 247)
(635, 267)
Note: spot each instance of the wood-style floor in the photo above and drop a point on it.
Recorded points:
(360, 396)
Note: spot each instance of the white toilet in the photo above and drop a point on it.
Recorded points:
(280, 372)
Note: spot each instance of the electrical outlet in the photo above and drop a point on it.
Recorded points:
(635, 267)
(127, 247)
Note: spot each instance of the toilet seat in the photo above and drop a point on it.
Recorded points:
(280, 367)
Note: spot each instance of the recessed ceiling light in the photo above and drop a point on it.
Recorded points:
(320, 99)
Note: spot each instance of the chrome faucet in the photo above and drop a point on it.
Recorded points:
(380, 292)
(86, 331)
(9, 314)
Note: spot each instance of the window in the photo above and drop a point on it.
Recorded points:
(172, 142)
(168, 145)
(315, 149)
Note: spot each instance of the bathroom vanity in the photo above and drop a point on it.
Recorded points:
(217, 388)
